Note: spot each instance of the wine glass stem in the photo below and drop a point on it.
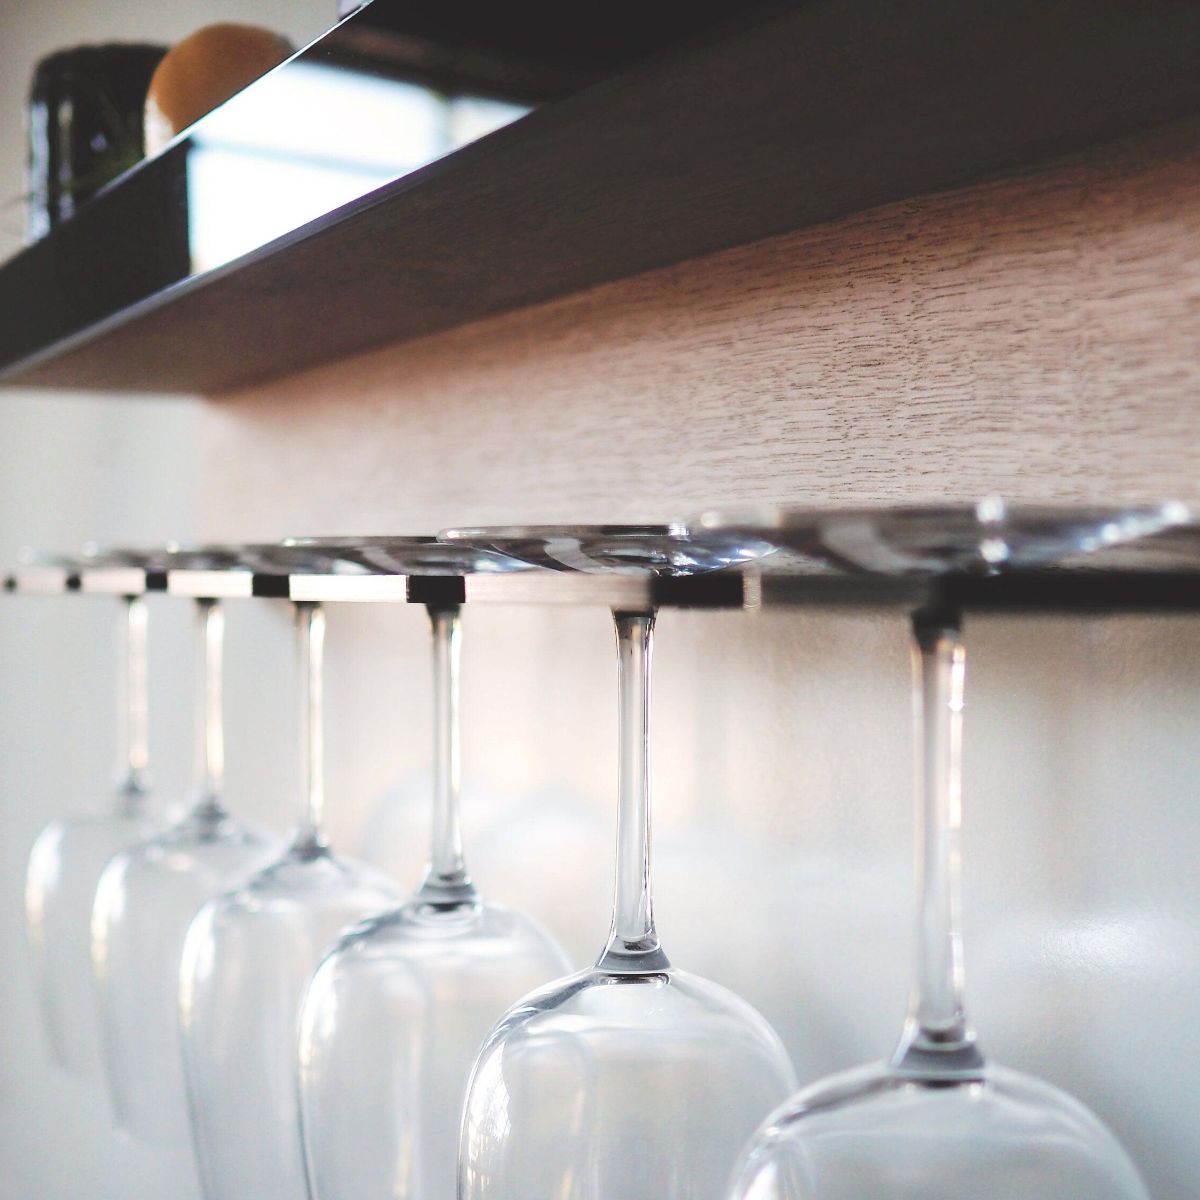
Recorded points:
(310, 660)
(938, 1039)
(446, 880)
(211, 737)
(633, 942)
(135, 753)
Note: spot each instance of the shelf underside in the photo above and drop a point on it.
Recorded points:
(809, 112)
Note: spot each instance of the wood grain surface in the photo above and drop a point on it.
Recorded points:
(1037, 335)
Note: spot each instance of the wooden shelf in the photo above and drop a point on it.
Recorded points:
(800, 115)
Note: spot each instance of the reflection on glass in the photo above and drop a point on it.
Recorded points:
(309, 139)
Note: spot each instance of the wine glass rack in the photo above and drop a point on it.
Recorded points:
(1150, 579)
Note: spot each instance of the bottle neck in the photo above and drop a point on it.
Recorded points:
(633, 945)
(938, 1040)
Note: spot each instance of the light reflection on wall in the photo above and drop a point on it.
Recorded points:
(307, 140)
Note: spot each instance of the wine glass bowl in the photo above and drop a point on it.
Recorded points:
(873, 1133)
(390, 1028)
(637, 1084)
(146, 900)
(246, 959)
(65, 866)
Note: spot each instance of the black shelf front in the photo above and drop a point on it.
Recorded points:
(791, 116)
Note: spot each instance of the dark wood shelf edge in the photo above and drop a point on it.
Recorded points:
(821, 111)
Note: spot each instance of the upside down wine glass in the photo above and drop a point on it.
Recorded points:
(248, 956)
(65, 866)
(145, 900)
(631, 1079)
(397, 1011)
(939, 1122)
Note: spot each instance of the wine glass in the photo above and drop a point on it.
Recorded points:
(938, 1121)
(249, 954)
(630, 1079)
(146, 899)
(398, 1009)
(66, 863)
